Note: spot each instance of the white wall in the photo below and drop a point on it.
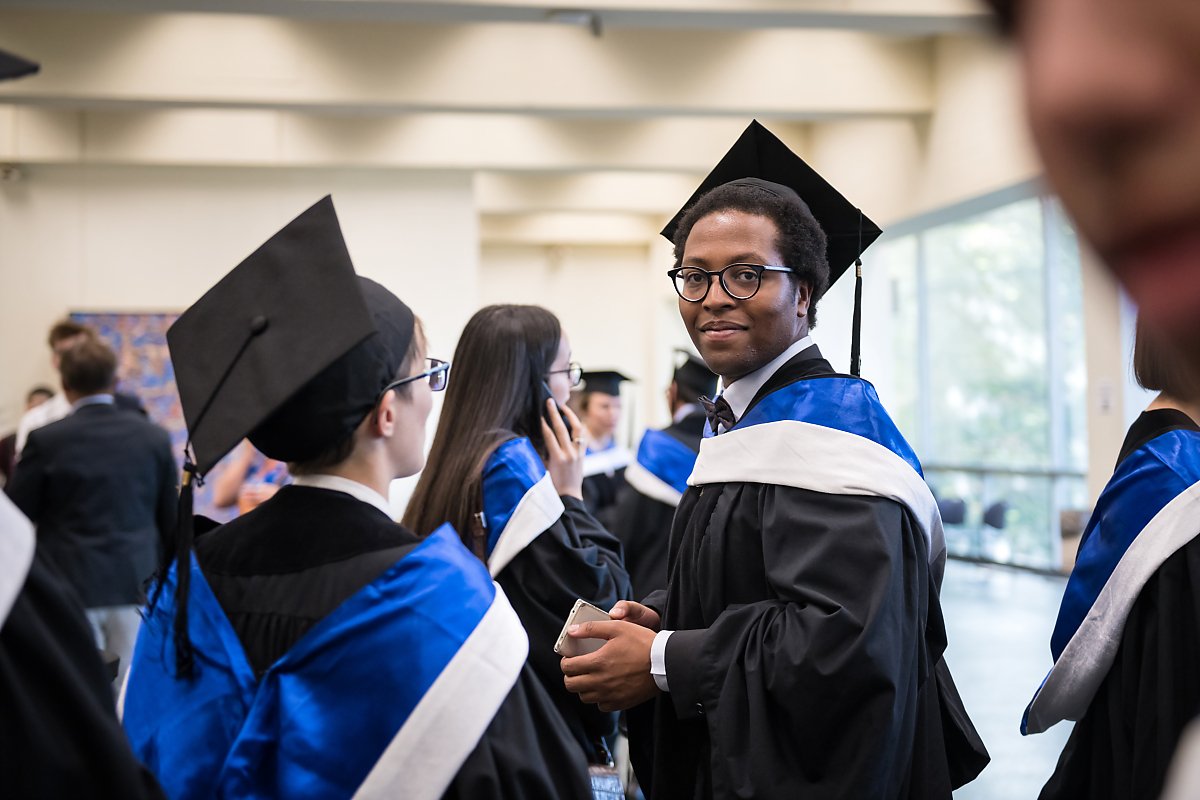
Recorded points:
(154, 239)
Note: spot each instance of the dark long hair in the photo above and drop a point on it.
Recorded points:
(501, 359)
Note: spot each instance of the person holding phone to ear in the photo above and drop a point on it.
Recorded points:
(506, 470)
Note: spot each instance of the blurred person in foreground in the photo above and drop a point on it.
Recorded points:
(1112, 91)
(100, 485)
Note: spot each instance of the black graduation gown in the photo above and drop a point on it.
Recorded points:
(574, 558)
(1122, 746)
(807, 657)
(280, 569)
(59, 734)
(643, 524)
(600, 494)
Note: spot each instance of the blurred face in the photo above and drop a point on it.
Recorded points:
(411, 406)
(558, 380)
(1113, 91)
(35, 400)
(736, 337)
(603, 415)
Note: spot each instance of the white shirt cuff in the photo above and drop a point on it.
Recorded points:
(658, 659)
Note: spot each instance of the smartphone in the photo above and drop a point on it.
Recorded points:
(583, 611)
(545, 394)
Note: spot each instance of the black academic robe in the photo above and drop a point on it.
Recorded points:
(600, 494)
(807, 655)
(284, 566)
(643, 524)
(59, 734)
(1122, 746)
(574, 558)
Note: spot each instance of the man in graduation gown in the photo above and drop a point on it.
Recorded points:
(1126, 644)
(314, 647)
(657, 478)
(604, 460)
(797, 651)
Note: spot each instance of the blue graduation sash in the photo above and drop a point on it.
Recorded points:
(837, 402)
(1146, 498)
(662, 467)
(519, 501)
(830, 435)
(386, 696)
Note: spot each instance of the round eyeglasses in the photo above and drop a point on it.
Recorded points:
(740, 281)
(574, 372)
(438, 375)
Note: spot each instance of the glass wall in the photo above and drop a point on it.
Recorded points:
(990, 374)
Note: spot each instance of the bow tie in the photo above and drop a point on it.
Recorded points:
(718, 411)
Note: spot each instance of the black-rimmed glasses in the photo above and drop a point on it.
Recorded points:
(740, 281)
(438, 375)
(574, 372)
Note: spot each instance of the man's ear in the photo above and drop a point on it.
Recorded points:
(803, 297)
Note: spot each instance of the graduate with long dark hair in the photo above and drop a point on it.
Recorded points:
(506, 471)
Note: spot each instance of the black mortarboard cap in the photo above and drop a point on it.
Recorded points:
(244, 350)
(605, 381)
(13, 66)
(759, 155)
(693, 374)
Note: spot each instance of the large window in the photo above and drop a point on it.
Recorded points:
(989, 373)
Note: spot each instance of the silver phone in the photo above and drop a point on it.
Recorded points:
(583, 611)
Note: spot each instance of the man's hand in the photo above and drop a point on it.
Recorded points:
(617, 676)
(637, 613)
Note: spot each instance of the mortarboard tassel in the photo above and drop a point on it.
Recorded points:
(184, 534)
(856, 321)
(185, 523)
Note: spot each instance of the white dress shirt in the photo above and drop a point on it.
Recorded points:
(738, 394)
(52, 410)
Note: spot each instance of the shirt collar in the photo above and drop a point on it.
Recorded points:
(92, 400)
(336, 483)
(739, 393)
(685, 411)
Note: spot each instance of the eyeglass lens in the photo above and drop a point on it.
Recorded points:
(739, 281)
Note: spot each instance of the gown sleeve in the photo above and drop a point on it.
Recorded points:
(1122, 746)
(59, 734)
(574, 558)
(526, 752)
(818, 690)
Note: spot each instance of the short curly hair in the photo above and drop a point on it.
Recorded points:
(801, 242)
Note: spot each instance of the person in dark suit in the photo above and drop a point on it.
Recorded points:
(100, 485)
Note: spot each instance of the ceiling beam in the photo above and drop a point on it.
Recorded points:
(269, 138)
(903, 17)
(98, 60)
